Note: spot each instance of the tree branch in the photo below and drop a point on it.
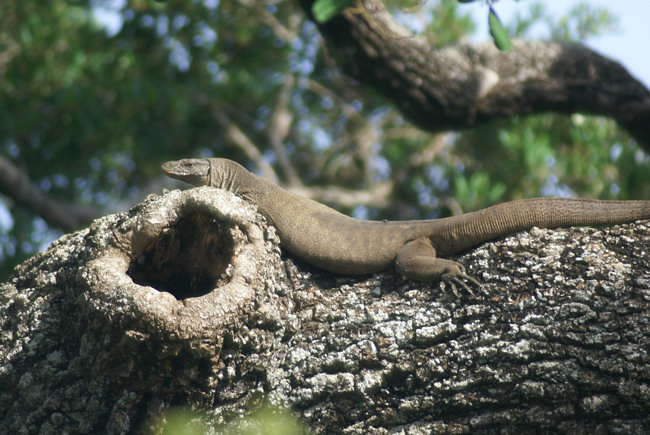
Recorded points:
(238, 138)
(378, 196)
(466, 84)
(278, 129)
(186, 300)
(15, 184)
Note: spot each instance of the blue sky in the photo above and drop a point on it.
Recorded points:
(628, 45)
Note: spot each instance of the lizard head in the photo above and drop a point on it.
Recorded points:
(221, 173)
(193, 171)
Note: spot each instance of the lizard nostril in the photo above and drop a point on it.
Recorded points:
(189, 259)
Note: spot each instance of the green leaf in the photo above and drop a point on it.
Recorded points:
(325, 10)
(499, 34)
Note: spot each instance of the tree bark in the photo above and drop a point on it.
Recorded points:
(466, 84)
(188, 300)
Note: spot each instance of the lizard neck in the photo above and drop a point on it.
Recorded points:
(231, 176)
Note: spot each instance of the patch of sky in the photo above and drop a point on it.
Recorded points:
(305, 48)
(269, 156)
(303, 82)
(326, 103)
(126, 161)
(95, 164)
(178, 54)
(641, 157)
(81, 184)
(289, 147)
(147, 21)
(260, 124)
(133, 192)
(436, 177)
(27, 247)
(60, 180)
(277, 78)
(35, 142)
(415, 23)
(302, 111)
(217, 74)
(322, 140)
(179, 22)
(206, 153)
(42, 236)
(211, 4)
(424, 194)
(108, 15)
(339, 126)
(304, 126)
(615, 151)
(300, 65)
(296, 102)
(361, 212)
(550, 161)
(101, 198)
(263, 112)
(6, 220)
(7, 246)
(297, 44)
(382, 168)
(13, 149)
(271, 9)
(205, 36)
(113, 176)
(552, 187)
(162, 25)
(45, 184)
(614, 189)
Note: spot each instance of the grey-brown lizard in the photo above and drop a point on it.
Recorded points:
(341, 244)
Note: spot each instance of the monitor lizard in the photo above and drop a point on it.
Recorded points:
(338, 243)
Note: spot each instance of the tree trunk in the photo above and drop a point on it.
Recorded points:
(187, 300)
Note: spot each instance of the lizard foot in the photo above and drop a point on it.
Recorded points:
(457, 277)
(417, 260)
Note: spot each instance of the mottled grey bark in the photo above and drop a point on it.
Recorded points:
(463, 85)
(186, 300)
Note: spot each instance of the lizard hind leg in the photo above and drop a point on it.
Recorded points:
(417, 260)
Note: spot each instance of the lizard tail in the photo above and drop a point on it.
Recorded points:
(459, 233)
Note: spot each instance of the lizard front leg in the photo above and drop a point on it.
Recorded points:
(417, 260)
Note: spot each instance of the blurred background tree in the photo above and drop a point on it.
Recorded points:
(96, 94)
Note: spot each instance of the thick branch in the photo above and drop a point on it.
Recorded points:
(377, 196)
(466, 84)
(186, 301)
(16, 185)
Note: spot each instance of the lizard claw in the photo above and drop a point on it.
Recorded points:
(458, 277)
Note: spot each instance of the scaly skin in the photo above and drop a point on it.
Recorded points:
(341, 244)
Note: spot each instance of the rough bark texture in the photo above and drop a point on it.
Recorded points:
(466, 84)
(186, 300)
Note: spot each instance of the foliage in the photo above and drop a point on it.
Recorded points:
(325, 10)
(90, 110)
(264, 420)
